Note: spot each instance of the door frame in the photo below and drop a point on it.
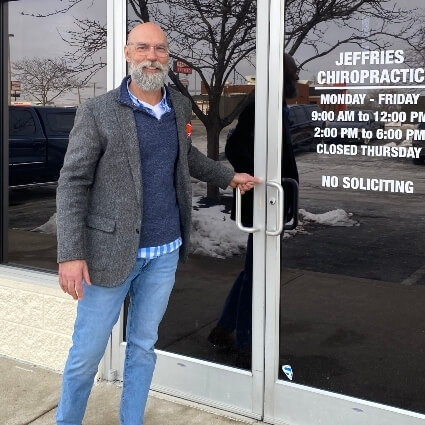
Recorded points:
(4, 129)
(220, 386)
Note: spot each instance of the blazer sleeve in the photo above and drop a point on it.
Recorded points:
(208, 170)
(76, 177)
(200, 166)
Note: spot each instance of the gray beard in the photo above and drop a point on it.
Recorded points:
(148, 82)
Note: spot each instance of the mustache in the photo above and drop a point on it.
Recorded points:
(151, 64)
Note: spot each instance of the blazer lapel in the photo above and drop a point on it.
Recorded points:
(180, 122)
(125, 118)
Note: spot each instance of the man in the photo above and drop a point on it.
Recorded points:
(237, 311)
(123, 215)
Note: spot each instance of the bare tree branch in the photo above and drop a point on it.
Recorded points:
(216, 37)
(71, 4)
(43, 78)
(307, 24)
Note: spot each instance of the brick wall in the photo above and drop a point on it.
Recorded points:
(36, 318)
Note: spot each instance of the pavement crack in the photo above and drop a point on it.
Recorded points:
(40, 415)
(292, 279)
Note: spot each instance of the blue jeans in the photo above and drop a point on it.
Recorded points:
(149, 285)
(237, 310)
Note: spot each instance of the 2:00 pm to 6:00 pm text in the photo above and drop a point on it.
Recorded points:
(358, 133)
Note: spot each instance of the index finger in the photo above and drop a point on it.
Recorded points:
(79, 289)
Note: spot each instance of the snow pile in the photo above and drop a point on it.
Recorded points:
(407, 142)
(336, 218)
(214, 234)
(199, 188)
(49, 227)
(288, 234)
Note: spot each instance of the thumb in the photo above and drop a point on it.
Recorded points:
(86, 276)
(253, 179)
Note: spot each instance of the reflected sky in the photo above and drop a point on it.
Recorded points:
(334, 34)
(32, 34)
(41, 37)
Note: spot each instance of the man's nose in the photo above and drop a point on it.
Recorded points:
(151, 54)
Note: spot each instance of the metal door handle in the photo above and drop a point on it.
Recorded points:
(239, 214)
(280, 195)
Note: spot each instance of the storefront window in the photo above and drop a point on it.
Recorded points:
(57, 61)
(353, 274)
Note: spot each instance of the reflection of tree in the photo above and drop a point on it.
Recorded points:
(66, 8)
(214, 37)
(44, 79)
(307, 23)
(416, 56)
(87, 40)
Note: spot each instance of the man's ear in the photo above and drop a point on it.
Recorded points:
(126, 54)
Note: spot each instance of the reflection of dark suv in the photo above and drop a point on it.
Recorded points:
(38, 139)
(302, 126)
(419, 144)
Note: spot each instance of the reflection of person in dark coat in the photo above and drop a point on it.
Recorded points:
(237, 311)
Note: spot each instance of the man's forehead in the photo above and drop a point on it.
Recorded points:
(147, 32)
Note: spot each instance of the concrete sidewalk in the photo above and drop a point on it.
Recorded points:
(29, 395)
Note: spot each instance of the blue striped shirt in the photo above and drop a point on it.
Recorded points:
(156, 111)
(156, 251)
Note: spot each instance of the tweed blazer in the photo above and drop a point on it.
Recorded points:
(99, 195)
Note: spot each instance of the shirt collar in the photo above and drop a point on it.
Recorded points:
(164, 104)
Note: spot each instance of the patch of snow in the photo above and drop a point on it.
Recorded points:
(49, 227)
(214, 234)
(199, 188)
(300, 229)
(337, 218)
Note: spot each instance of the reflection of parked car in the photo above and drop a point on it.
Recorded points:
(351, 130)
(419, 144)
(38, 139)
(302, 126)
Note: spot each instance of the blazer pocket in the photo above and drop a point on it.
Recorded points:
(100, 223)
(100, 240)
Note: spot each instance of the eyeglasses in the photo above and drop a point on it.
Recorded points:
(161, 50)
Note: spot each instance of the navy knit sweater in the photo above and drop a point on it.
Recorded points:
(158, 143)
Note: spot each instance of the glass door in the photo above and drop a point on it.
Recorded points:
(219, 55)
(345, 291)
